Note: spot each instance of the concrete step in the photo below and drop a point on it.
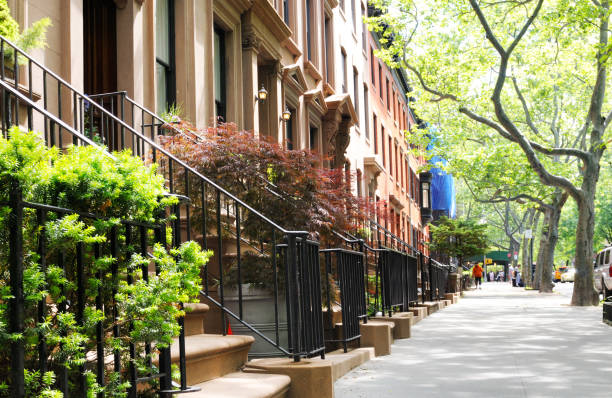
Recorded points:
(245, 385)
(209, 356)
(195, 314)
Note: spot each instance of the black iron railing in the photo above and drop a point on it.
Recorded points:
(394, 281)
(438, 279)
(255, 242)
(66, 116)
(347, 269)
(12, 99)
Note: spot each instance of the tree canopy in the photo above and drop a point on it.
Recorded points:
(459, 238)
(528, 72)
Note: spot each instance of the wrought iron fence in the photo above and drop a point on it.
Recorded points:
(347, 269)
(209, 214)
(438, 279)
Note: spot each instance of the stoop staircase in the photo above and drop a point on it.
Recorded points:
(214, 363)
(209, 359)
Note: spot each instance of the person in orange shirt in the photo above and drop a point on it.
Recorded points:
(477, 274)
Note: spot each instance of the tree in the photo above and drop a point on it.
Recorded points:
(534, 73)
(459, 238)
(287, 186)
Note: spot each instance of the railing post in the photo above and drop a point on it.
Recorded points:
(366, 280)
(16, 304)
(165, 366)
(293, 292)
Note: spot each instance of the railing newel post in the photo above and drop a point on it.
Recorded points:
(16, 304)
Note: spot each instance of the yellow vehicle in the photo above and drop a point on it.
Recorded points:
(558, 272)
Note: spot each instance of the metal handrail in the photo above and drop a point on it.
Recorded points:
(136, 133)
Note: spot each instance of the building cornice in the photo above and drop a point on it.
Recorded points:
(270, 18)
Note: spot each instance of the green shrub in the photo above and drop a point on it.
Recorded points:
(118, 188)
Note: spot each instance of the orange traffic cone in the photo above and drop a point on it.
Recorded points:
(229, 328)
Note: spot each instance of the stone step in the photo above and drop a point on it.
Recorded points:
(245, 385)
(402, 322)
(195, 314)
(209, 356)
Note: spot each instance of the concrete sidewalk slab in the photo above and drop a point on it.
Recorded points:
(496, 342)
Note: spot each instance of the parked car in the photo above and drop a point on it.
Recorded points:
(569, 275)
(602, 272)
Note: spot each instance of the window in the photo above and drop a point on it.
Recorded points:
(390, 156)
(328, 50)
(380, 81)
(342, 5)
(372, 61)
(375, 127)
(382, 142)
(364, 31)
(354, 12)
(286, 12)
(344, 78)
(356, 90)
(220, 74)
(388, 99)
(366, 111)
(164, 54)
(309, 29)
(314, 133)
(359, 178)
(289, 129)
(397, 170)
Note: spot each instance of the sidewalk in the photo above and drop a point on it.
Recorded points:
(496, 342)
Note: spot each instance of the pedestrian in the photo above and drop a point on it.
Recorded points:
(501, 276)
(514, 273)
(511, 273)
(491, 276)
(477, 274)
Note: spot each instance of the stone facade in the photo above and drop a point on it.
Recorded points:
(314, 58)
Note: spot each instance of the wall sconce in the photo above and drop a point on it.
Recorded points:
(262, 94)
(286, 116)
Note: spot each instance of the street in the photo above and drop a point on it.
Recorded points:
(496, 342)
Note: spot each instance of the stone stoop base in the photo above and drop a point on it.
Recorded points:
(446, 303)
(344, 362)
(452, 297)
(432, 306)
(377, 334)
(419, 313)
(309, 378)
(402, 322)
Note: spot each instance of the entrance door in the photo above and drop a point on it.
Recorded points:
(100, 41)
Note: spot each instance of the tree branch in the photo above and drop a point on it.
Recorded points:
(509, 127)
(525, 108)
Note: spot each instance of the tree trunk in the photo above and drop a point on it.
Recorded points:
(542, 250)
(559, 200)
(525, 255)
(584, 292)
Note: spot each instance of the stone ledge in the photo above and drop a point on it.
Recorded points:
(309, 378)
(377, 334)
(402, 322)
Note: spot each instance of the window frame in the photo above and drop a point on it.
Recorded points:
(217, 30)
(169, 68)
